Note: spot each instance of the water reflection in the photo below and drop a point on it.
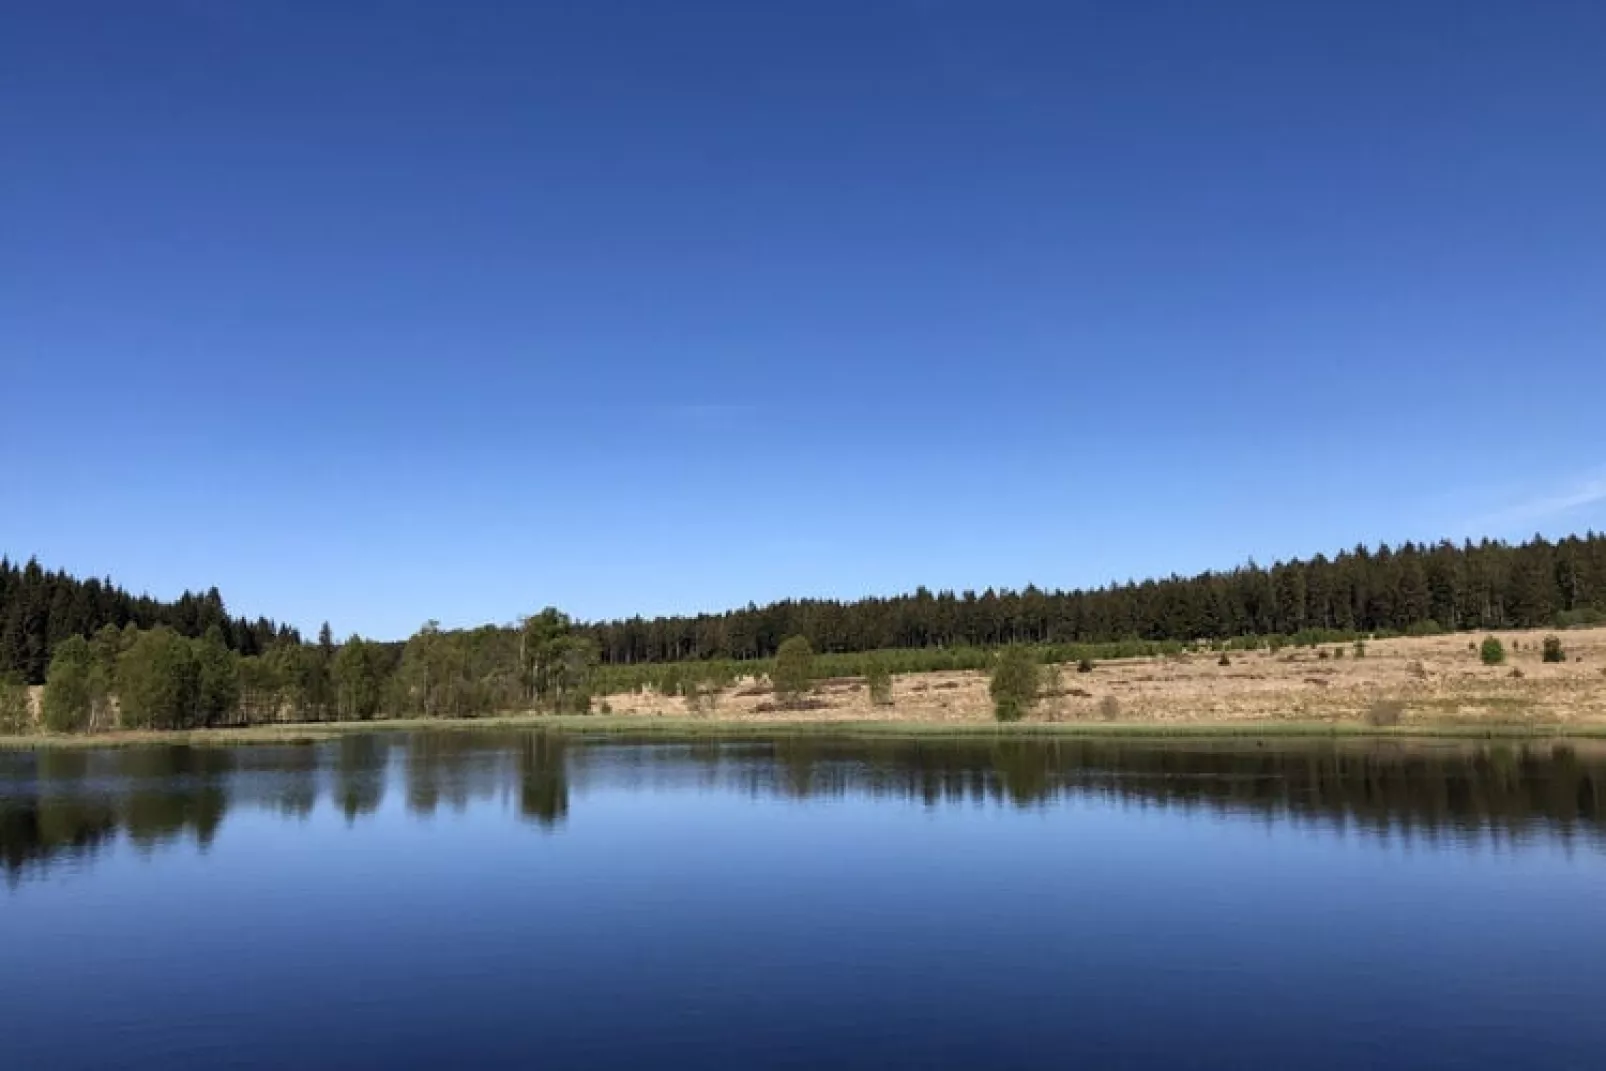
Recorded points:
(359, 775)
(543, 779)
(68, 804)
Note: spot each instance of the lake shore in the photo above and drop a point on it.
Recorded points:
(749, 728)
(1434, 686)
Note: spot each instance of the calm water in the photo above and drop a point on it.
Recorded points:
(523, 900)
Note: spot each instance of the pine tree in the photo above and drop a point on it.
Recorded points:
(1014, 683)
(794, 670)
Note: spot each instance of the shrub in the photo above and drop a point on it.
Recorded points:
(878, 678)
(1360, 648)
(1516, 673)
(1493, 652)
(1084, 666)
(1052, 681)
(1224, 660)
(794, 669)
(1014, 683)
(1109, 708)
(1338, 652)
(15, 715)
(1553, 650)
(1322, 656)
(1385, 712)
(698, 694)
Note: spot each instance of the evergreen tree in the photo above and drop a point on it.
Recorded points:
(878, 679)
(794, 670)
(1014, 683)
(1492, 652)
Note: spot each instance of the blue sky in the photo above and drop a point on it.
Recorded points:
(378, 312)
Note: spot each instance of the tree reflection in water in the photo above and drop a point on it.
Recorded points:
(70, 804)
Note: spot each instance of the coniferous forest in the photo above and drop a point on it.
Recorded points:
(1485, 585)
(41, 608)
(187, 663)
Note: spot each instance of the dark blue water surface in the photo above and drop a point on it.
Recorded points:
(463, 899)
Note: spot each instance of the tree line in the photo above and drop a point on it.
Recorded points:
(157, 678)
(113, 660)
(1409, 588)
(40, 608)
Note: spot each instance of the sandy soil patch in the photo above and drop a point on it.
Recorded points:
(1439, 679)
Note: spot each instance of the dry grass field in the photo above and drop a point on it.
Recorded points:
(1437, 680)
(1432, 684)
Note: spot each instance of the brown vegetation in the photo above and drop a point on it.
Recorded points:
(1424, 680)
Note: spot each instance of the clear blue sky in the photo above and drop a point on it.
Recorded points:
(379, 312)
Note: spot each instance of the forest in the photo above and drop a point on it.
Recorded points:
(1446, 586)
(110, 659)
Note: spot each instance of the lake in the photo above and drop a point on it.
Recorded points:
(524, 899)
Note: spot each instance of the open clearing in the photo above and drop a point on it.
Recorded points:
(1439, 680)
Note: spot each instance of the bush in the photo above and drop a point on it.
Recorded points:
(1014, 683)
(15, 716)
(878, 679)
(794, 670)
(1385, 712)
(1224, 660)
(1084, 666)
(1051, 681)
(1360, 648)
(1109, 708)
(1493, 652)
(1553, 650)
(1338, 652)
(700, 695)
(1516, 673)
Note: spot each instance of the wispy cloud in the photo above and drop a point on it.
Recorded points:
(1588, 491)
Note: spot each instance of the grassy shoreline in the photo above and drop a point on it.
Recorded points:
(682, 727)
